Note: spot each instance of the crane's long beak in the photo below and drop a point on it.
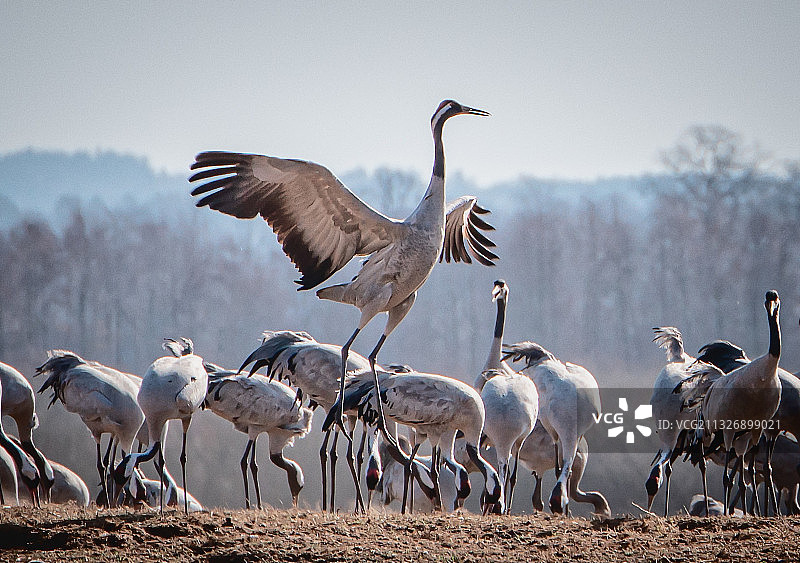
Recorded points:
(473, 111)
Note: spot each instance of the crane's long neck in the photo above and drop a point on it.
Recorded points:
(774, 336)
(495, 354)
(431, 209)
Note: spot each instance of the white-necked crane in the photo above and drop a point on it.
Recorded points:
(744, 399)
(322, 225)
(19, 402)
(256, 404)
(104, 398)
(437, 407)
(569, 403)
(174, 387)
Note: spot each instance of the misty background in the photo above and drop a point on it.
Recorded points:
(104, 256)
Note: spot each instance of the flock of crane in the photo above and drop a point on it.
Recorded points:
(537, 416)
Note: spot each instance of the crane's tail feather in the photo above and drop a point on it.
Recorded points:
(334, 293)
(273, 344)
(529, 351)
(58, 364)
(671, 340)
(182, 347)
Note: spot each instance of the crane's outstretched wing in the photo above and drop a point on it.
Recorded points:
(461, 230)
(320, 224)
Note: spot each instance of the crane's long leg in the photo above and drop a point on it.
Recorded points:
(667, 475)
(354, 475)
(536, 497)
(360, 454)
(755, 505)
(435, 464)
(557, 466)
(345, 354)
(243, 465)
(334, 457)
(742, 487)
(406, 475)
(702, 464)
(160, 468)
(731, 476)
(108, 453)
(323, 460)
(254, 471)
(101, 471)
(726, 480)
(390, 440)
(111, 456)
(183, 473)
(768, 482)
(512, 483)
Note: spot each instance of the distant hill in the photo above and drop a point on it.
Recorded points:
(37, 182)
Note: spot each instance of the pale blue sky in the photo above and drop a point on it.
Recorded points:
(576, 89)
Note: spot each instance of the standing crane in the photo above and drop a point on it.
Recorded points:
(256, 404)
(512, 407)
(667, 406)
(510, 399)
(728, 357)
(104, 398)
(19, 402)
(322, 225)
(437, 407)
(743, 399)
(174, 387)
(314, 369)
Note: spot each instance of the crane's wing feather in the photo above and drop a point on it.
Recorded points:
(531, 352)
(671, 340)
(320, 224)
(694, 388)
(462, 233)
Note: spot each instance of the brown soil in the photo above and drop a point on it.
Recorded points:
(72, 534)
